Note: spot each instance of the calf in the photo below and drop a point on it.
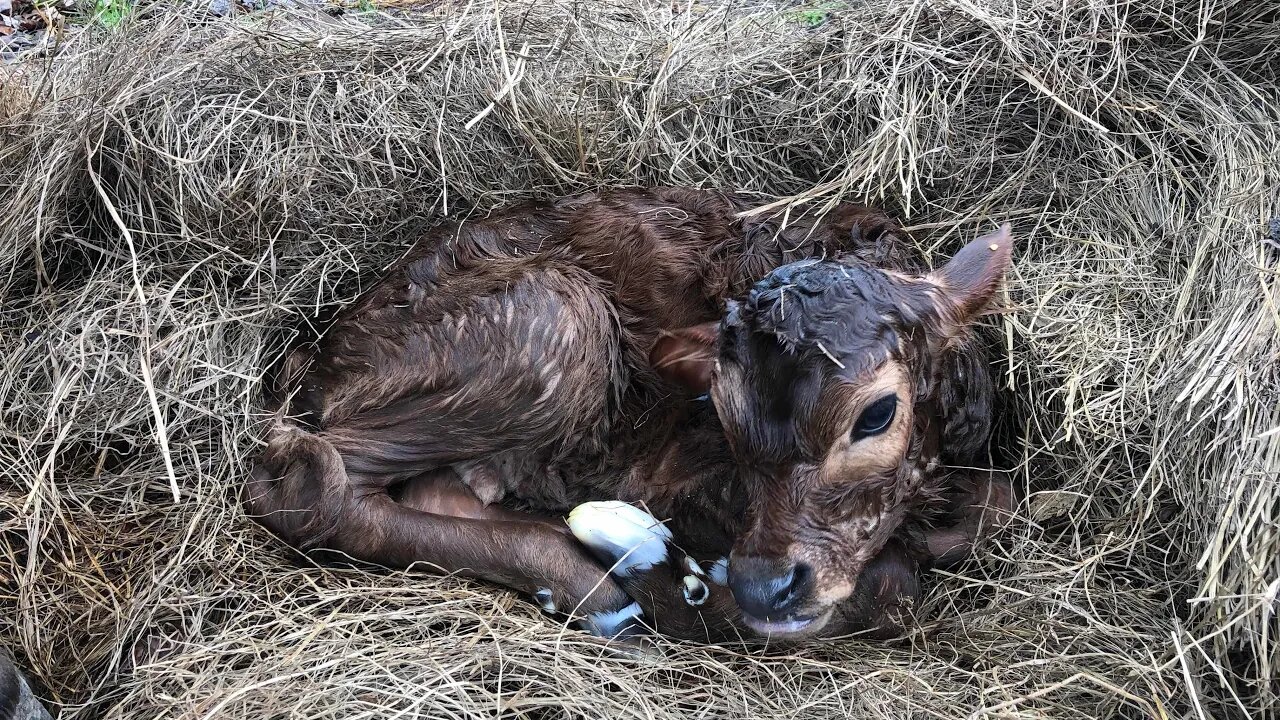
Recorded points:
(507, 370)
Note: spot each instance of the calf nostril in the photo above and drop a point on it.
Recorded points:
(786, 584)
(795, 585)
(769, 587)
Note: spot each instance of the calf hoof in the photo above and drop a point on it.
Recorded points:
(624, 624)
(546, 601)
(678, 596)
(625, 538)
(631, 542)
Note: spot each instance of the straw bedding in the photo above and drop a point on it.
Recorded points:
(181, 193)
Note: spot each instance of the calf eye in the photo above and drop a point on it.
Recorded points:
(876, 418)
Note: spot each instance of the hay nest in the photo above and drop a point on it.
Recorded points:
(180, 192)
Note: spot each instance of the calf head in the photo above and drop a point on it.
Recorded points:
(818, 377)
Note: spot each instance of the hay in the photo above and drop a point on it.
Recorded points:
(178, 192)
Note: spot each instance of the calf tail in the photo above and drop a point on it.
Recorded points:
(299, 489)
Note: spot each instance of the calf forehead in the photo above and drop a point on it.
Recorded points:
(806, 332)
(756, 402)
(847, 313)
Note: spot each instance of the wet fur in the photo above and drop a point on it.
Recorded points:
(513, 355)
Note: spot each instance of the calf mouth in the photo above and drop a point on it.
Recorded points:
(789, 627)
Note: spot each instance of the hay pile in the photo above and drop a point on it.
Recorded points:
(177, 193)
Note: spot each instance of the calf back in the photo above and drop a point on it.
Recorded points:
(598, 277)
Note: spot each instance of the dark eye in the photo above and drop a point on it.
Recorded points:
(876, 418)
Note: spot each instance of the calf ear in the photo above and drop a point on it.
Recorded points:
(972, 276)
(686, 356)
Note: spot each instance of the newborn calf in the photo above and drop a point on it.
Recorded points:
(552, 354)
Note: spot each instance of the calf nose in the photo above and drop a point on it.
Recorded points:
(769, 588)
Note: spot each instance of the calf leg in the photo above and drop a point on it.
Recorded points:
(883, 602)
(680, 596)
(985, 503)
(312, 503)
(555, 569)
(408, 387)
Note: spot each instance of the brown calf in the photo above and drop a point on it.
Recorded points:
(508, 370)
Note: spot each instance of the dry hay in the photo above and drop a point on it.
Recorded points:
(179, 191)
